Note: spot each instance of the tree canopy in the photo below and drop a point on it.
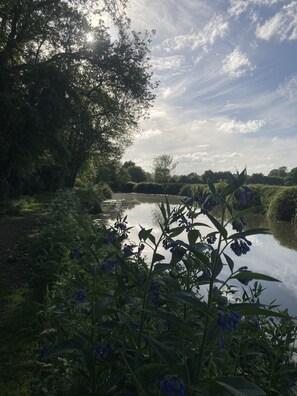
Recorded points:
(163, 165)
(64, 96)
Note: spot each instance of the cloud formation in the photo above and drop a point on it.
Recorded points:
(288, 89)
(237, 64)
(216, 28)
(232, 126)
(282, 26)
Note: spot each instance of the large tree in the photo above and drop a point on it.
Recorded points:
(163, 165)
(68, 88)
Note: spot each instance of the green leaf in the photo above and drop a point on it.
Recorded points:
(222, 230)
(211, 187)
(149, 368)
(144, 234)
(162, 350)
(230, 262)
(64, 347)
(253, 275)
(161, 267)
(175, 231)
(193, 235)
(189, 299)
(157, 257)
(254, 309)
(239, 386)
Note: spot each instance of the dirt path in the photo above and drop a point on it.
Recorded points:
(14, 233)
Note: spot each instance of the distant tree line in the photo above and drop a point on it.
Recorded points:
(164, 165)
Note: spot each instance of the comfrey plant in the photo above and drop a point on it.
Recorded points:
(128, 325)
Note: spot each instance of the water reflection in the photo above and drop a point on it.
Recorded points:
(274, 255)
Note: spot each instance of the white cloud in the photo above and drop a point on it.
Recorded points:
(237, 7)
(234, 127)
(168, 62)
(282, 26)
(216, 28)
(288, 89)
(148, 133)
(236, 64)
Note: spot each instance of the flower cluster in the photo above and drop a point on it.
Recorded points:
(228, 321)
(128, 250)
(121, 227)
(75, 253)
(101, 350)
(172, 387)
(243, 195)
(211, 239)
(241, 246)
(108, 265)
(206, 201)
(80, 295)
(174, 247)
(110, 237)
(184, 222)
(188, 201)
(238, 224)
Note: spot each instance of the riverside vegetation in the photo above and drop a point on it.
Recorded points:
(278, 202)
(120, 323)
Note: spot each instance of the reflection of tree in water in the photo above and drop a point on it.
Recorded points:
(284, 232)
(114, 208)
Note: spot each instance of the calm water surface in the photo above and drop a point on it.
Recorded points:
(274, 255)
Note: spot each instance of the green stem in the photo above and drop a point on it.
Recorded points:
(138, 384)
(209, 303)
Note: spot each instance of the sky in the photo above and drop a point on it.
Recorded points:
(227, 94)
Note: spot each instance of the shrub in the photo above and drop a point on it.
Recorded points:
(283, 205)
(173, 188)
(91, 198)
(190, 190)
(128, 187)
(149, 188)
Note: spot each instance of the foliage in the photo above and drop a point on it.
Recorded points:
(149, 188)
(64, 98)
(61, 232)
(283, 205)
(126, 323)
(137, 174)
(173, 188)
(291, 178)
(128, 187)
(91, 198)
(259, 178)
(162, 168)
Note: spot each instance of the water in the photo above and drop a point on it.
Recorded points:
(274, 255)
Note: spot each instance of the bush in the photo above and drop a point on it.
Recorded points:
(60, 235)
(91, 198)
(283, 205)
(173, 188)
(149, 188)
(189, 190)
(128, 187)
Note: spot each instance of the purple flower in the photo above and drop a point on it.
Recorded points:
(189, 201)
(240, 246)
(108, 265)
(238, 224)
(206, 201)
(80, 295)
(228, 321)
(172, 387)
(243, 195)
(211, 239)
(45, 351)
(75, 253)
(101, 350)
(246, 281)
(128, 250)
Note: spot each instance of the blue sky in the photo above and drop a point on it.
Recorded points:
(227, 96)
